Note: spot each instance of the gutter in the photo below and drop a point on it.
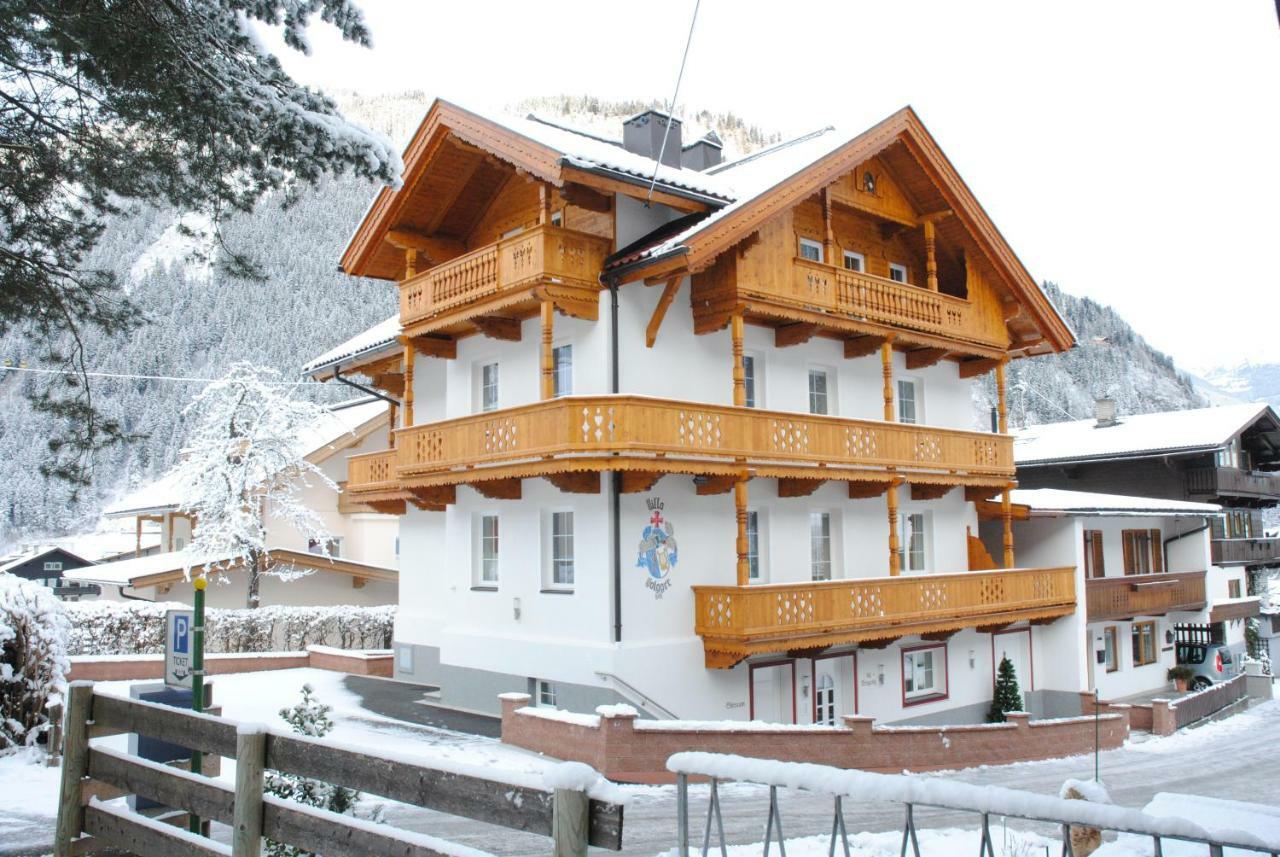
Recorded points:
(638, 181)
(1178, 536)
(619, 272)
(1151, 453)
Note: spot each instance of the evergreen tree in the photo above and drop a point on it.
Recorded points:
(1007, 696)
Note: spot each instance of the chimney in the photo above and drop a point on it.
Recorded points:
(643, 132)
(1104, 412)
(703, 154)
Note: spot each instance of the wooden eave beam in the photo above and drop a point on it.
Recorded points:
(980, 493)
(797, 333)
(499, 489)
(991, 510)
(580, 196)
(992, 628)
(798, 487)
(922, 358)
(660, 311)
(386, 507)
(972, 368)
(716, 660)
(498, 327)
(435, 346)
(938, 636)
(577, 482)
(862, 346)
(606, 185)
(639, 481)
(436, 249)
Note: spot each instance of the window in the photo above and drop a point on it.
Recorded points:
(53, 566)
(924, 672)
(489, 387)
(824, 701)
(487, 570)
(1111, 648)
(546, 694)
(562, 549)
(557, 218)
(562, 357)
(911, 542)
(1144, 643)
(749, 379)
(1233, 588)
(897, 273)
(1143, 552)
(810, 249)
(820, 545)
(1094, 565)
(818, 403)
(854, 261)
(332, 547)
(753, 544)
(404, 659)
(1229, 455)
(908, 409)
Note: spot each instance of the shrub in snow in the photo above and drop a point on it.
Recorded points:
(33, 661)
(1007, 697)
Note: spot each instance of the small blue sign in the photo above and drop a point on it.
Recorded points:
(181, 644)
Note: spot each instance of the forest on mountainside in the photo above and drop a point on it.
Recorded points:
(199, 322)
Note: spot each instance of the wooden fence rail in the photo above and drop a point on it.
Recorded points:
(570, 817)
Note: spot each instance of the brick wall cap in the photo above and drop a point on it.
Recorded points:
(515, 697)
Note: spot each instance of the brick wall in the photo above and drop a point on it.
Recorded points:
(625, 750)
(133, 667)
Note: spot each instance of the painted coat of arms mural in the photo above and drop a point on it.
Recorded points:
(658, 552)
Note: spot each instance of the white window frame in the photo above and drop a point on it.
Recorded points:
(404, 659)
(52, 565)
(917, 401)
(562, 372)
(824, 710)
(557, 217)
(753, 379)
(933, 667)
(483, 386)
(757, 572)
(827, 393)
(905, 546)
(861, 259)
(810, 244)
(822, 567)
(486, 574)
(549, 582)
(544, 693)
(898, 267)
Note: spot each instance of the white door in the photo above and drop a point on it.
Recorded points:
(1016, 646)
(833, 692)
(771, 690)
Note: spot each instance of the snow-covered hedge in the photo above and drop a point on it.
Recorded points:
(137, 628)
(33, 660)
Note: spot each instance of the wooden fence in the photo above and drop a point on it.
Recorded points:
(91, 773)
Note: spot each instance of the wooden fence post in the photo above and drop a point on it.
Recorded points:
(569, 819)
(251, 757)
(75, 765)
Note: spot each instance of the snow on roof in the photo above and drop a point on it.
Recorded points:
(16, 560)
(339, 423)
(123, 572)
(1168, 432)
(104, 544)
(376, 338)
(1088, 503)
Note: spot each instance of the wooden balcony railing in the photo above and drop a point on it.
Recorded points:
(1243, 551)
(1215, 481)
(543, 254)
(737, 621)
(372, 472)
(1144, 595)
(641, 426)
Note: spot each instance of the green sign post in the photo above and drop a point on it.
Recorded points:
(197, 676)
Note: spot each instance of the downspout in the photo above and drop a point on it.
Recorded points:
(615, 483)
(1174, 538)
(337, 376)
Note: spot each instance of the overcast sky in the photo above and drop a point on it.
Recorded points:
(1127, 150)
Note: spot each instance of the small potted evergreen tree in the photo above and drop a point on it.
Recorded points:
(1007, 696)
(1181, 676)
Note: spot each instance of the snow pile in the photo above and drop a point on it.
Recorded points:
(1257, 820)
(575, 776)
(1091, 790)
(33, 661)
(137, 628)
(620, 709)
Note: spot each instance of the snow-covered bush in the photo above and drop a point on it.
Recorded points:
(33, 661)
(137, 628)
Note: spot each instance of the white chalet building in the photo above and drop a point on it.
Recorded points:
(707, 447)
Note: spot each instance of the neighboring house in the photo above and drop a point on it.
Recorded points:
(694, 434)
(1145, 579)
(363, 550)
(48, 567)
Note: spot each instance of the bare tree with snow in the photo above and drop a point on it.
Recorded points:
(244, 461)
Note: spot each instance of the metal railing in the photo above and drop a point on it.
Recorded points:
(913, 792)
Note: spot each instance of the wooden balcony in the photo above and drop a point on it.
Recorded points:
(1232, 482)
(1144, 595)
(737, 621)
(1245, 551)
(502, 277)
(595, 433)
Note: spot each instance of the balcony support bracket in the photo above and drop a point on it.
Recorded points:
(580, 482)
(862, 346)
(498, 327)
(798, 487)
(660, 311)
(796, 333)
(499, 489)
(639, 481)
(925, 491)
(922, 358)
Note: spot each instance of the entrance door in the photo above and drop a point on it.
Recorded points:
(773, 693)
(1016, 646)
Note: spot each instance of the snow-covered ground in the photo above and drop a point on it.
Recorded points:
(1208, 760)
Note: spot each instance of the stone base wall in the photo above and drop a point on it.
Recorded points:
(628, 750)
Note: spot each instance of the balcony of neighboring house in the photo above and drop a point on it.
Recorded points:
(571, 440)
(494, 286)
(1232, 482)
(736, 622)
(1245, 551)
(1144, 595)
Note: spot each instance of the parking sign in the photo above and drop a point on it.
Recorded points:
(177, 648)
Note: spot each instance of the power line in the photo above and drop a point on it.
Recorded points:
(126, 376)
(672, 105)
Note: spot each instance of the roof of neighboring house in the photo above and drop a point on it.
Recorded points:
(15, 560)
(162, 568)
(1054, 501)
(343, 426)
(382, 337)
(1166, 433)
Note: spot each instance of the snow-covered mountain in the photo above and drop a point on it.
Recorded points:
(1248, 382)
(200, 321)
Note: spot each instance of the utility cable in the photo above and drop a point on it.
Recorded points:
(126, 376)
(672, 105)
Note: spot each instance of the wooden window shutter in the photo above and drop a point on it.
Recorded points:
(1157, 553)
(1099, 567)
(1129, 564)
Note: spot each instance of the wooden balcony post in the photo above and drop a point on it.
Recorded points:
(392, 416)
(740, 506)
(544, 203)
(409, 354)
(410, 262)
(739, 374)
(930, 256)
(886, 360)
(891, 500)
(1006, 515)
(548, 358)
(828, 241)
(137, 546)
(1002, 398)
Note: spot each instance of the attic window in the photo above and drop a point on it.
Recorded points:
(869, 182)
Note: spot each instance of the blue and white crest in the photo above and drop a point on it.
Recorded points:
(658, 552)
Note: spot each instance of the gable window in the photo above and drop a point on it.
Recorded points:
(1144, 643)
(818, 399)
(562, 357)
(820, 545)
(1111, 648)
(810, 249)
(854, 261)
(1143, 552)
(487, 534)
(908, 401)
(562, 550)
(53, 566)
(489, 387)
(911, 542)
(924, 673)
(753, 544)
(749, 380)
(1093, 557)
(897, 273)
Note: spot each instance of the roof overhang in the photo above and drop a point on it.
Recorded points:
(281, 556)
